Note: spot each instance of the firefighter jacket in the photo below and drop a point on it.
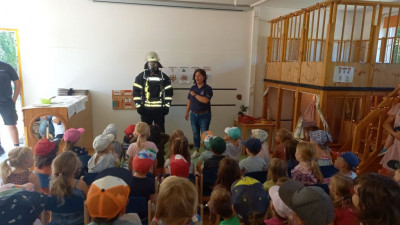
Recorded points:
(152, 92)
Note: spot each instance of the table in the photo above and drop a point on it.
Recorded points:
(270, 128)
(73, 111)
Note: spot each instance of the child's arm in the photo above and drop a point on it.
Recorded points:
(198, 167)
(130, 163)
(82, 186)
(34, 179)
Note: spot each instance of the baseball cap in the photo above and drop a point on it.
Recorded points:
(217, 145)
(233, 132)
(45, 146)
(253, 144)
(72, 135)
(21, 207)
(179, 166)
(207, 142)
(129, 131)
(119, 172)
(205, 134)
(102, 141)
(143, 161)
(260, 134)
(107, 197)
(310, 203)
(280, 207)
(111, 129)
(351, 159)
(249, 196)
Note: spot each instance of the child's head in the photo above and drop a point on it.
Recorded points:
(129, 133)
(232, 132)
(44, 152)
(206, 142)
(310, 203)
(63, 167)
(176, 133)
(217, 145)
(281, 209)
(282, 135)
(228, 172)
(143, 161)
(179, 166)
(142, 130)
(290, 149)
(320, 137)
(307, 132)
(177, 201)
(155, 133)
(397, 176)
(250, 200)
(107, 198)
(347, 161)
(72, 136)
(305, 152)
(111, 129)
(262, 135)
(377, 199)
(19, 157)
(253, 146)
(220, 202)
(180, 146)
(102, 143)
(277, 168)
(340, 189)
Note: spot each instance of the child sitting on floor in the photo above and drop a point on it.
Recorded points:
(281, 136)
(206, 154)
(346, 163)
(322, 138)
(307, 172)
(233, 146)
(218, 146)
(142, 185)
(116, 145)
(262, 135)
(277, 169)
(103, 158)
(180, 146)
(128, 136)
(21, 159)
(281, 213)
(221, 204)
(71, 138)
(252, 163)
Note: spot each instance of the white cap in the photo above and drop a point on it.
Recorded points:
(280, 207)
(102, 141)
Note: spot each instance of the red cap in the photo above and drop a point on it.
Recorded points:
(129, 131)
(179, 166)
(44, 147)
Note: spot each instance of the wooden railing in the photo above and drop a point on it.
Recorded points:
(368, 138)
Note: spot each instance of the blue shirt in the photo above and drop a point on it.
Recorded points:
(7, 74)
(205, 91)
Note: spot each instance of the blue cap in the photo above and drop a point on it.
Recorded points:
(233, 132)
(253, 144)
(351, 159)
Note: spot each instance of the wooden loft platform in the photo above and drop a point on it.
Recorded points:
(307, 48)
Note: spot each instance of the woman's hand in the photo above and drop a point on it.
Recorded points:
(187, 115)
(192, 93)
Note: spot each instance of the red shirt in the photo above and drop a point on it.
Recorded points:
(279, 152)
(346, 216)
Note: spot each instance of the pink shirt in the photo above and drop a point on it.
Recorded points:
(134, 149)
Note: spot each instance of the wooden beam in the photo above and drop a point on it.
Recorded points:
(341, 38)
(297, 108)
(279, 108)
(352, 32)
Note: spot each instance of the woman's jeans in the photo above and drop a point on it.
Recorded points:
(199, 122)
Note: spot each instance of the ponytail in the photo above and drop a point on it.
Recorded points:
(316, 171)
(142, 131)
(15, 159)
(63, 168)
(180, 146)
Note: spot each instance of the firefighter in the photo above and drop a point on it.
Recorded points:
(152, 92)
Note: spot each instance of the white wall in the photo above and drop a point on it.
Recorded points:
(101, 46)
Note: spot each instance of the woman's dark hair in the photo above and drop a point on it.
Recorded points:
(379, 199)
(228, 172)
(290, 149)
(202, 72)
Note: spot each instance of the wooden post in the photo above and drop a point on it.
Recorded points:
(330, 35)
(373, 44)
(309, 44)
(386, 35)
(341, 38)
(352, 32)
(322, 36)
(279, 109)
(361, 34)
(395, 35)
(316, 36)
(284, 40)
(304, 37)
(297, 108)
(265, 104)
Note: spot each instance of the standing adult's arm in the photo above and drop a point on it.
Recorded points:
(169, 91)
(137, 91)
(202, 99)
(17, 89)
(187, 109)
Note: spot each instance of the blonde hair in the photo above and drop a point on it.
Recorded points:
(175, 134)
(63, 167)
(180, 146)
(277, 168)
(142, 131)
(341, 194)
(283, 135)
(177, 201)
(307, 152)
(15, 159)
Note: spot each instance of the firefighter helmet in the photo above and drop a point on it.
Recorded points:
(152, 57)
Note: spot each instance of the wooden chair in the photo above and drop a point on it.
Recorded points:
(71, 205)
(258, 175)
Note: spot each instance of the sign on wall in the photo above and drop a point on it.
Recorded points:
(343, 74)
(184, 75)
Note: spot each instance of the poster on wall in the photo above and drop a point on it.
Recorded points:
(343, 74)
(172, 73)
(184, 75)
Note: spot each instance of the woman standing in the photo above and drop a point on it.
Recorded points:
(198, 104)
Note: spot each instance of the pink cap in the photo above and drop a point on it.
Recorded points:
(72, 135)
